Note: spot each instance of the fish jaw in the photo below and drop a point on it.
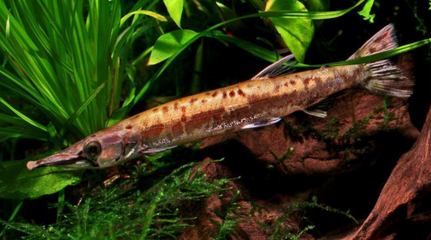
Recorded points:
(70, 157)
(60, 159)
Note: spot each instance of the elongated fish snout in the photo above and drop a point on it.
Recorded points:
(54, 160)
(90, 153)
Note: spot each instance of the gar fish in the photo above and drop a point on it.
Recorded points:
(258, 102)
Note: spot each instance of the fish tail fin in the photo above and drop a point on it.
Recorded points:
(385, 76)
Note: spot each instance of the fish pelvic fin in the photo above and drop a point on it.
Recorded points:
(386, 77)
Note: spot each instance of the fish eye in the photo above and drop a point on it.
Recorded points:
(92, 149)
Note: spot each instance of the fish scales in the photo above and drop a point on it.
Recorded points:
(254, 103)
(228, 109)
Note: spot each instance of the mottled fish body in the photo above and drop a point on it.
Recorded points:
(253, 102)
(258, 102)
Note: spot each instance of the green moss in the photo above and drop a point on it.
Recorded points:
(129, 212)
(280, 228)
(229, 218)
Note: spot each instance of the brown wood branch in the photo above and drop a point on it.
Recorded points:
(402, 197)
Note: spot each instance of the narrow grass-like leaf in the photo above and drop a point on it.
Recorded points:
(373, 57)
(14, 213)
(254, 49)
(296, 33)
(143, 12)
(8, 27)
(16, 121)
(142, 55)
(72, 118)
(13, 132)
(175, 10)
(168, 44)
(22, 116)
(196, 79)
(61, 198)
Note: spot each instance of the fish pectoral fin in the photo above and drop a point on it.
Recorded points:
(262, 123)
(316, 112)
(156, 150)
(276, 69)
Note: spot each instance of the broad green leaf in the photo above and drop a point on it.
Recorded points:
(143, 12)
(366, 11)
(296, 33)
(175, 10)
(169, 43)
(17, 182)
(316, 5)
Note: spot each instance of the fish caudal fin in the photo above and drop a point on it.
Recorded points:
(385, 77)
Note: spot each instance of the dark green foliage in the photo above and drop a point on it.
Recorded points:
(127, 212)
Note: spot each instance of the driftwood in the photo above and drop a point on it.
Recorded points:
(343, 160)
(405, 198)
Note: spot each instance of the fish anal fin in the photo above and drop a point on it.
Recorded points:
(319, 109)
(276, 69)
(316, 112)
(262, 123)
(156, 150)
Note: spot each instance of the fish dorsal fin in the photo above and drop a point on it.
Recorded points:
(262, 123)
(276, 69)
